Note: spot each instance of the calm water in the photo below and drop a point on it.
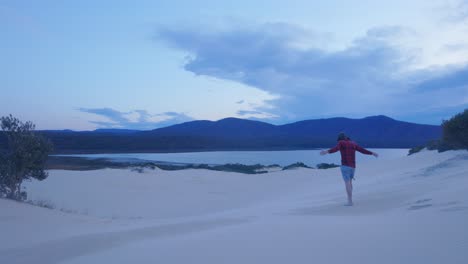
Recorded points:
(282, 158)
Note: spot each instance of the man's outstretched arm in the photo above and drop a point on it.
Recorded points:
(332, 150)
(365, 151)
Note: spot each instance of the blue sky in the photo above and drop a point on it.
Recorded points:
(84, 65)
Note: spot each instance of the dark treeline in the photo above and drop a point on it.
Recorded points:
(239, 134)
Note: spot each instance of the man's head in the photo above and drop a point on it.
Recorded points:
(341, 136)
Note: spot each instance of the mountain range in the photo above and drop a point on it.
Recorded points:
(241, 134)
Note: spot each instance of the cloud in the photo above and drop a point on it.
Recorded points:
(257, 115)
(246, 112)
(114, 116)
(457, 11)
(136, 119)
(455, 47)
(455, 79)
(370, 76)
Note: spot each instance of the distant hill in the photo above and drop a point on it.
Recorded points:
(115, 131)
(225, 128)
(374, 131)
(100, 130)
(241, 134)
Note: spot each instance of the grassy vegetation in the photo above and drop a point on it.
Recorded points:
(296, 165)
(454, 135)
(79, 163)
(455, 131)
(324, 166)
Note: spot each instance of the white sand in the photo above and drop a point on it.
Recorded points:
(407, 210)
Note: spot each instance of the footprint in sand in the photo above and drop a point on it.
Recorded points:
(420, 204)
(453, 206)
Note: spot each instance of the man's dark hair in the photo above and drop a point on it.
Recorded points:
(341, 136)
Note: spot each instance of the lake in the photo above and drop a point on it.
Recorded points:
(282, 158)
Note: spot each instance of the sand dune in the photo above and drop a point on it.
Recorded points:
(407, 210)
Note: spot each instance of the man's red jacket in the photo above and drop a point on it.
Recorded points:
(348, 149)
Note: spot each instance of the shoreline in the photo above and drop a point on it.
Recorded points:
(176, 151)
(86, 164)
(172, 161)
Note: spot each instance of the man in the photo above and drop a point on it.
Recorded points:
(348, 149)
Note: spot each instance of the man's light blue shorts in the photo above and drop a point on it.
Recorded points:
(347, 173)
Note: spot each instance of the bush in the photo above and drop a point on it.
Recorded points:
(296, 165)
(324, 166)
(241, 168)
(415, 150)
(455, 131)
(23, 158)
(454, 135)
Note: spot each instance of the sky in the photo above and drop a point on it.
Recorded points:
(84, 65)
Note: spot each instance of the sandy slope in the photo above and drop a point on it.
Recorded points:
(408, 210)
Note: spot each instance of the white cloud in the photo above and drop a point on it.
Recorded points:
(376, 74)
(136, 119)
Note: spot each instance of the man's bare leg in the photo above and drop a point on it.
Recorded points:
(349, 192)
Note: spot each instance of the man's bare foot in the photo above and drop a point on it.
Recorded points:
(349, 204)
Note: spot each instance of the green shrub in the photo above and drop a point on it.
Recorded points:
(296, 165)
(415, 150)
(454, 135)
(241, 168)
(455, 131)
(324, 166)
(23, 158)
